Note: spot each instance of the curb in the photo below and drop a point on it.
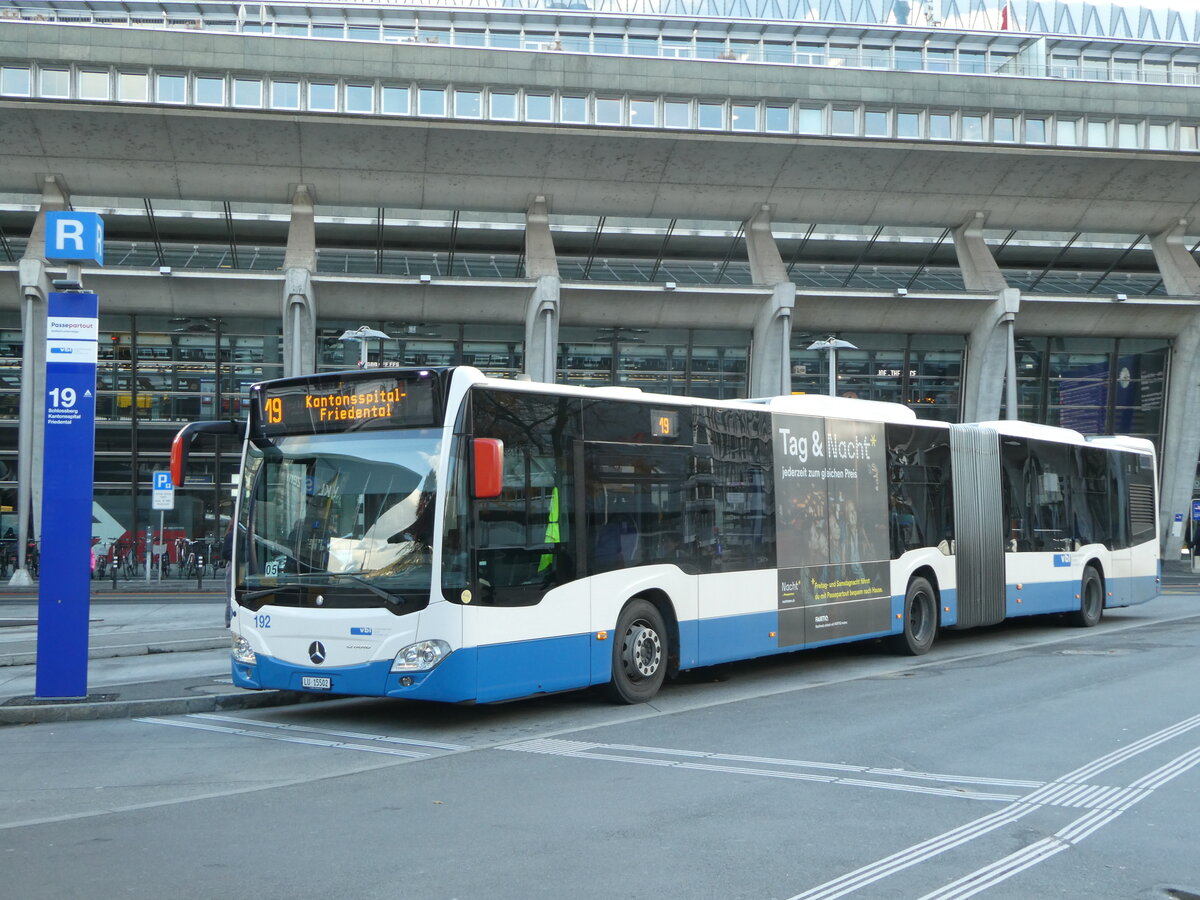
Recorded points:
(29, 657)
(82, 711)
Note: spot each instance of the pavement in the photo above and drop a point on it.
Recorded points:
(153, 649)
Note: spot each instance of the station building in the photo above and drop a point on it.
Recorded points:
(994, 203)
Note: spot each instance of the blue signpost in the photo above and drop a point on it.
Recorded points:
(64, 590)
(72, 329)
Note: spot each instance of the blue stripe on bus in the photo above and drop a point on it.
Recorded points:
(523, 668)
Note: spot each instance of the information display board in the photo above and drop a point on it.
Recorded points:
(72, 329)
(323, 405)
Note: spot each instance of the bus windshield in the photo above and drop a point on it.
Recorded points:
(345, 509)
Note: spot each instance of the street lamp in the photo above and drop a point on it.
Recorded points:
(832, 344)
(362, 334)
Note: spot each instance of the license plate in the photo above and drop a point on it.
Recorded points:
(316, 682)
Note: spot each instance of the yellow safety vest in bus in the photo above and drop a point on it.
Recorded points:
(551, 532)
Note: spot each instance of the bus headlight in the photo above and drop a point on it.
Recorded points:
(242, 652)
(421, 656)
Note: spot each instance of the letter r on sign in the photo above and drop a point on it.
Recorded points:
(69, 230)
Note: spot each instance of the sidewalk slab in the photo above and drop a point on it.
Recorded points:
(154, 698)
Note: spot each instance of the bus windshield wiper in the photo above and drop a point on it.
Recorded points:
(392, 599)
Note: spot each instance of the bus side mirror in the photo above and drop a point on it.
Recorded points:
(489, 467)
(183, 443)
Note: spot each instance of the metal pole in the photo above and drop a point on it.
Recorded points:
(832, 369)
(25, 453)
(1010, 385)
(149, 549)
(162, 542)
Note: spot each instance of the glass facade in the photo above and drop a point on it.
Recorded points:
(921, 371)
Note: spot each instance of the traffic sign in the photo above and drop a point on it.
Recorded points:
(164, 491)
(75, 237)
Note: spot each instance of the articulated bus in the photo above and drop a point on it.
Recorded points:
(441, 535)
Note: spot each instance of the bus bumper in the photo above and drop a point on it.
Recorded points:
(452, 681)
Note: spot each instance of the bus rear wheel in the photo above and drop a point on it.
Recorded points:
(640, 652)
(1091, 600)
(920, 619)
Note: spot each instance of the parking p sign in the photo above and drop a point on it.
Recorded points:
(164, 491)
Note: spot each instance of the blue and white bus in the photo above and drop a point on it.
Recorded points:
(442, 535)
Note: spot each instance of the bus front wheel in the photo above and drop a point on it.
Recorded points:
(640, 652)
(1091, 600)
(920, 619)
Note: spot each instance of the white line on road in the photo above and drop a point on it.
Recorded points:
(287, 739)
(311, 729)
(1034, 853)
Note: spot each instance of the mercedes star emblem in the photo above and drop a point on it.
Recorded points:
(316, 652)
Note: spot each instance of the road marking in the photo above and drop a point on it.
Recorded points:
(311, 729)
(1034, 853)
(784, 768)
(284, 738)
(1064, 838)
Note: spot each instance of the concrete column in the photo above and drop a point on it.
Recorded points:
(299, 303)
(771, 356)
(1181, 438)
(35, 288)
(543, 309)
(990, 363)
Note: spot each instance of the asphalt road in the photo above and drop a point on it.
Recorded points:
(1024, 761)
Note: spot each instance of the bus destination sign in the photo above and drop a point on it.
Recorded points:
(323, 406)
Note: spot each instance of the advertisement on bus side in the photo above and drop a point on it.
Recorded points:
(832, 520)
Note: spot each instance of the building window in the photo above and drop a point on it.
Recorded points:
(1158, 136)
(93, 85)
(908, 125)
(711, 115)
(170, 88)
(502, 105)
(1188, 137)
(608, 111)
(1127, 135)
(54, 83)
(677, 114)
(1035, 131)
(907, 59)
(538, 108)
(875, 123)
(360, 98)
(1066, 132)
(247, 92)
(809, 121)
(468, 104)
(133, 87)
(285, 95)
(744, 117)
(1003, 128)
(941, 126)
(210, 90)
(1097, 134)
(779, 119)
(431, 102)
(972, 127)
(322, 97)
(15, 81)
(842, 121)
(643, 113)
(573, 110)
(395, 101)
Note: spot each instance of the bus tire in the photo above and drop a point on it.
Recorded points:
(1091, 600)
(920, 619)
(640, 653)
